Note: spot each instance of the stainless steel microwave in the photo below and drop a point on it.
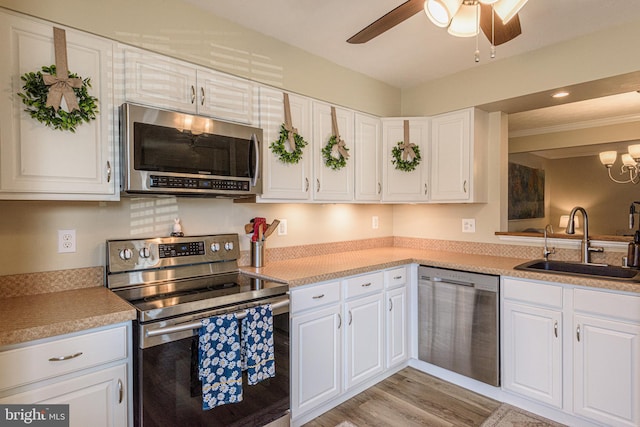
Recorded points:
(166, 152)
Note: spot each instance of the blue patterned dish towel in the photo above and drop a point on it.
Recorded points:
(257, 344)
(219, 361)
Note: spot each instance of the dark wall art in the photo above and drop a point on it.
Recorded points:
(526, 192)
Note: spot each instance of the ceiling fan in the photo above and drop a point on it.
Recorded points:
(498, 19)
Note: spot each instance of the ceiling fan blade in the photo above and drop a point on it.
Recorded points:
(502, 33)
(401, 13)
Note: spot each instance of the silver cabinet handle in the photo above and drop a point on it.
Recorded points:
(397, 277)
(555, 328)
(120, 391)
(108, 171)
(339, 321)
(306, 185)
(379, 188)
(578, 333)
(317, 185)
(464, 186)
(366, 285)
(318, 296)
(350, 318)
(62, 358)
(201, 95)
(390, 304)
(193, 94)
(425, 188)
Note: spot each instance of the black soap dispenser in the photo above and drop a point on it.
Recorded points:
(633, 254)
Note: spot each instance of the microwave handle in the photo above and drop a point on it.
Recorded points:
(256, 155)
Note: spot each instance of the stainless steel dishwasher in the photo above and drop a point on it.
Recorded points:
(458, 323)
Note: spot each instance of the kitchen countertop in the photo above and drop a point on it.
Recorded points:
(30, 317)
(303, 271)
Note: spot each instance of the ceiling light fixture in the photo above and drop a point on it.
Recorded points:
(560, 94)
(630, 164)
(462, 17)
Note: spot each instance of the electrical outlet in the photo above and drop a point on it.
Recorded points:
(468, 225)
(282, 227)
(374, 222)
(66, 241)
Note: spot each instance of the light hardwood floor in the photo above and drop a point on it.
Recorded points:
(411, 398)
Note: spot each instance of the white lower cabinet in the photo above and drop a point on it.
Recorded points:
(87, 371)
(338, 338)
(602, 339)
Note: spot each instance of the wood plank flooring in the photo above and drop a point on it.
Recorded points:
(411, 398)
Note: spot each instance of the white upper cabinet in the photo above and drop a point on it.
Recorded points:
(368, 162)
(459, 156)
(36, 161)
(164, 82)
(399, 185)
(332, 184)
(285, 181)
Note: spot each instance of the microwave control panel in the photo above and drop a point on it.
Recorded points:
(163, 181)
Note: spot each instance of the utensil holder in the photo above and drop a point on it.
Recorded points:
(257, 253)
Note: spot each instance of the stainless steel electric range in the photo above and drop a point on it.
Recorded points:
(174, 283)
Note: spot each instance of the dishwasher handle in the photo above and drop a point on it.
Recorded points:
(447, 281)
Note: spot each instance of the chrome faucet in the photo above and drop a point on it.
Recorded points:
(586, 248)
(546, 251)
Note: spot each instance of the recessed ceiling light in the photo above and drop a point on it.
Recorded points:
(560, 94)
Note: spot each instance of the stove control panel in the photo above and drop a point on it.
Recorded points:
(163, 252)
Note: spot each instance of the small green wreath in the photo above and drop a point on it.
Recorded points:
(329, 160)
(35, 98)
(405, 165)
(278, 147)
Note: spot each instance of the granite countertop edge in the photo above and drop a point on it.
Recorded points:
(322, 268)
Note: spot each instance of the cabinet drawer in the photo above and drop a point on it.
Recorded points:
(396, 277)
(619, 306)
(314, 296)
(365, 284)
(34, 363)
(532, 292)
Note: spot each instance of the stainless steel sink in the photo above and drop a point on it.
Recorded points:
(608, 272)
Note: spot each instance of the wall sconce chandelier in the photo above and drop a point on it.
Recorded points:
(462, 17)
(630, 164)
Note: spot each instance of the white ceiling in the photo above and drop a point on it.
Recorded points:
(416, 51)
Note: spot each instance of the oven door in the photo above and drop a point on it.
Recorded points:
(167, 390)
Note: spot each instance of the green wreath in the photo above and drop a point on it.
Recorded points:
(330, 161)
(405, 165)
(278, 148)
(35, 98)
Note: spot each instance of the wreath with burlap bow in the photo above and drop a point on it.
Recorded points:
(43, 93)
(294, 154)
(401, 154)
(335, 153)
(37, 94)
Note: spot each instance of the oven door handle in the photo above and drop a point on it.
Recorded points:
(197, 324)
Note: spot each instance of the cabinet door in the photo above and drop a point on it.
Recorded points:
(532, 344)
(226, 97)
(159, 81)
(450, 156)
(97, 399)
(368, 144)
(607, 370)
(397, 334)
(364, 334)
(37, 161)
(330, 184)
(316, 358)
(398, 185)
(281, 180)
